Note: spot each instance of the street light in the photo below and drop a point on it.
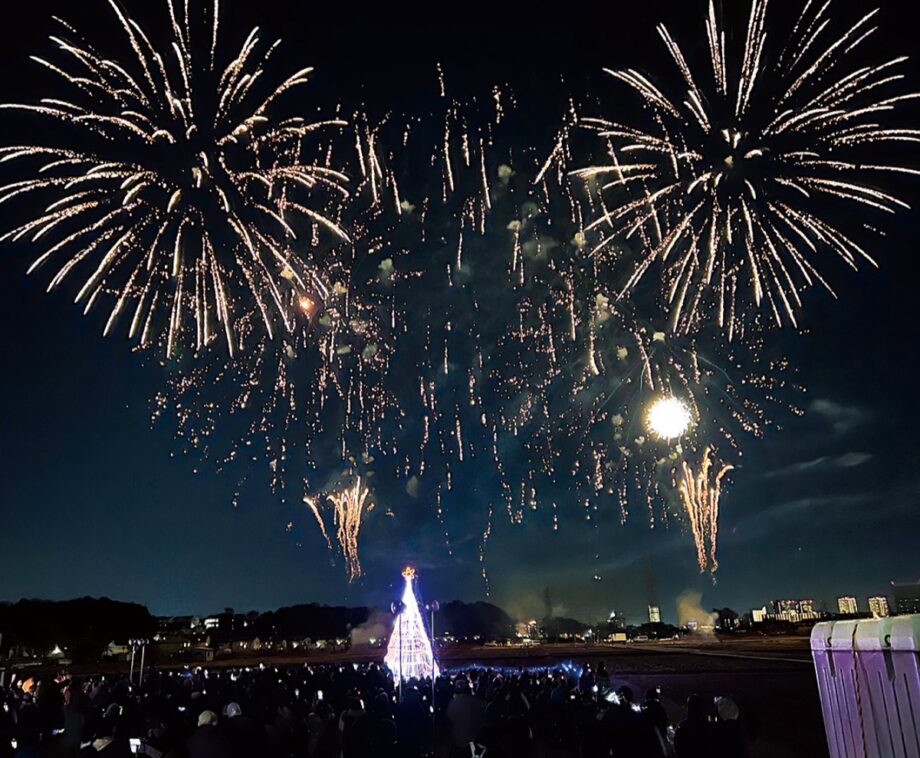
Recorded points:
(432, 607)
(135, 644)
(140, 674)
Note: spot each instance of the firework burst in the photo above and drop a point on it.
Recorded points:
(171, 186)
(592, 400)
(745, 176)
(466, 337)
(316, 401)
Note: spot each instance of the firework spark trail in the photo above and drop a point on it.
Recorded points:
(516, 360)
(314, 507)
(597, 364)
(596, 393)
(483, 545)
(559, 383)
(734, 186)
(317, 399)
(190, 193)
(349, 507)
(700, 494)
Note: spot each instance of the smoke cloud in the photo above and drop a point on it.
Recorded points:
(690, 611)
(377, 627)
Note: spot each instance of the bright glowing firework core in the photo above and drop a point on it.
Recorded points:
(306, 304)
(668, 418)
(409, 653)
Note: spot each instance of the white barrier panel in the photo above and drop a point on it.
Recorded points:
(905, 658)
(869, 681)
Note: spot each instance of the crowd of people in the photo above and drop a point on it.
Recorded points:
(357, 711)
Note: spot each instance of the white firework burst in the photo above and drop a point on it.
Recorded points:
(172, 186)
(744, 177)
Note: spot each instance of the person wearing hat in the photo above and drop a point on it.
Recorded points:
(465, 713)
(244, 735)
(207, 741)
(695, 735)
(729, 733)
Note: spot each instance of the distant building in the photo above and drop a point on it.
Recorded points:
(171, 628)
(794, 611)
(226, 626)
(808, 609)
(654, 614)
(878, 606)
(528, 630)
(906, 596)
(847, 605)
(115, 650)
(759, 615)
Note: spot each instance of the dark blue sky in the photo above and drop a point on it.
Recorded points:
(92, 501)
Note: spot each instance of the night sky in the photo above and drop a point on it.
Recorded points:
(93, 501)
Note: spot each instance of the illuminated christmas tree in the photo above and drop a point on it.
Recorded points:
(409, 652)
